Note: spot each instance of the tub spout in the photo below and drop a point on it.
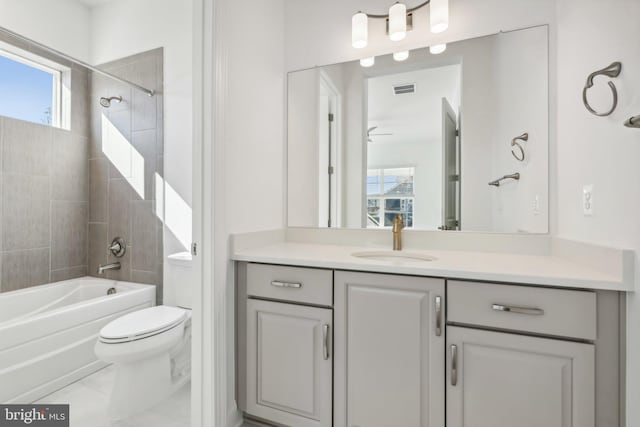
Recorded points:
(103, 268)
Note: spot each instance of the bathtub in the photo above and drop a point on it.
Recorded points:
(47, 332)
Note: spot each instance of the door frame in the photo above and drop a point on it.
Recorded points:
(336, 103)
(209, 343)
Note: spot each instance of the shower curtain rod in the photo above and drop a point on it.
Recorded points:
(77, 61)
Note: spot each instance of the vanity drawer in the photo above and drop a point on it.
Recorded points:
(304, 285)
(558, 312)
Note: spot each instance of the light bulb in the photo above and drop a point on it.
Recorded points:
(397, 22)
(401, 56)
(359, 30)
(439, 15)
(437, 48)
(368, 62)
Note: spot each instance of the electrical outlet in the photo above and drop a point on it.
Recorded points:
(587, 200)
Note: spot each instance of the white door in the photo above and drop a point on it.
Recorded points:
(389, 351)
(451, 169)
(505, 380)
(289, 363)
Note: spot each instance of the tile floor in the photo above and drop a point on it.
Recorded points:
(89, 397)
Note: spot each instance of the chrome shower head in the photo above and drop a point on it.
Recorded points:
(106, 102)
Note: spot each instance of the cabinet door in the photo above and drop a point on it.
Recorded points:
(389, 351)
(289, 363)
(505, 380)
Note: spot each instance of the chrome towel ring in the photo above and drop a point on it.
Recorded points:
(519, 155)
(633, 122)
(612, 71)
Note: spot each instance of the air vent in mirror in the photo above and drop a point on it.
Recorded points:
(404, 88)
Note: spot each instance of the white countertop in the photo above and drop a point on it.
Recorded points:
(550, 270)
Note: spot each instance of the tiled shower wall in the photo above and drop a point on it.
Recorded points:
(125, 162)
(44, 194)
(62, 199)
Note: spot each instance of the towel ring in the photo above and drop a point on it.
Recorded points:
(612, 71)
(514, 143)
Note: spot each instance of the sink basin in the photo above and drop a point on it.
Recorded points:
(394, 256)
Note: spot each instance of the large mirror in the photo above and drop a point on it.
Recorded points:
(450, 141)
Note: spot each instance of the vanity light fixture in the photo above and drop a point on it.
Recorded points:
(399, 21)
(439, 16)
(401, 56)
(368, 62)
(359, 30)
(437, 48)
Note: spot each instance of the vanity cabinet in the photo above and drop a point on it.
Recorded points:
(288, 358)
(389, 350)
(512, 376)
(497, 379)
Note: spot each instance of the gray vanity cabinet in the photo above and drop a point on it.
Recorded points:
(389, 350)
(497, 379)
(289, 363)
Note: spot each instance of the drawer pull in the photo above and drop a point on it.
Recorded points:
(519, 310)
(438, 316)
(325, 342)
(279, 284)
(454, 365)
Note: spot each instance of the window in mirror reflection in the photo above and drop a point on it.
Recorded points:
(390, 192)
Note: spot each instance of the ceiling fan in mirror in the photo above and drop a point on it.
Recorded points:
(370, 135)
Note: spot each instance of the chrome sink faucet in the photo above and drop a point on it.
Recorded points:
(398, 225)
(113, 266)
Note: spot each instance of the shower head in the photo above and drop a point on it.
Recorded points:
(106, 102)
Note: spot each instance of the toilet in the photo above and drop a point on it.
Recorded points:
(151, 348)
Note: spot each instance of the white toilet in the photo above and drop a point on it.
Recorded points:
(151, 348)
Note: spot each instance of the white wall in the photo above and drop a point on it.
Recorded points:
(61, 24)
(121, 28)
(249, 182)
(600, 151)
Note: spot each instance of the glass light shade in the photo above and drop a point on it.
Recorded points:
(368, 62)
(439, 15)
(401, 56)
(359, 30)
(437, 48)
(397, 22)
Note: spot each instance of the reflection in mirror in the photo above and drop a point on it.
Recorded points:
(423, 138)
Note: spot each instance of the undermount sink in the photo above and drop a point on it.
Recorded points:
(394, 256)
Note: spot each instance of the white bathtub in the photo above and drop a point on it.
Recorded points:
(47, 332)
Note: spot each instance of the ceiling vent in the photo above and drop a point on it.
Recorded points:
(404, 88)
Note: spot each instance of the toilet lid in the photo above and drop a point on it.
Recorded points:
(142, 323)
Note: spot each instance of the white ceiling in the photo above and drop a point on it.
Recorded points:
(93, 3)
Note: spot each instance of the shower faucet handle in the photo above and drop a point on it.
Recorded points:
(118, 247)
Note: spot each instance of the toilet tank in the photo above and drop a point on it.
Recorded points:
(180, 279)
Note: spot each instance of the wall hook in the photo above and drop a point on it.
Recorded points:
(612, 71)
(633, 122)
(519, 155)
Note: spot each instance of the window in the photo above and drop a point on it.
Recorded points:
(389, 193)
(30, 87)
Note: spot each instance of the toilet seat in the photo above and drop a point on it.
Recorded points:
(142, 324)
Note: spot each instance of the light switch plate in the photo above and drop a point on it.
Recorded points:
(587, 200)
